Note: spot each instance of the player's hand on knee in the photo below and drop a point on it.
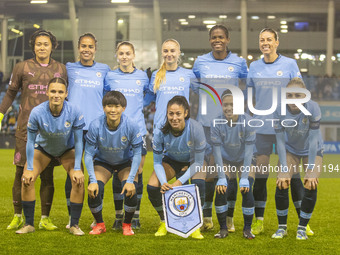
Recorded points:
(93, 190)
(311, 183)
(244, 185)
(27, 178)
(283, 183)
(130, 189)
(78, 177)
(221, 185)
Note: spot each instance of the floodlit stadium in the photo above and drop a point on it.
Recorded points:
(307, 43)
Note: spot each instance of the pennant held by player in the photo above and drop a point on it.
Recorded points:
(182, 210)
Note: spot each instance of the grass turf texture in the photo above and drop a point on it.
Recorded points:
(325, 223)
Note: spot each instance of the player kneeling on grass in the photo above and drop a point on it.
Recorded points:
(60, 127)
(233, 146)
(175, 146)
(109, 141)
(299, 141)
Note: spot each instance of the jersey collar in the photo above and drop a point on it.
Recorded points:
(228, 55)
(277, 59)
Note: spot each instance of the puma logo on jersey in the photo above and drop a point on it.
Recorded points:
(45, 124)
(31, 73)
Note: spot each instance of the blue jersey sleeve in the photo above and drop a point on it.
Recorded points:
(78, 144)
(222, 180)
(30, 148)
(135, 135)
(137, 157)
(92, 134)
(158, 141)
(313, 145)
(194, 168)
(215, 135)
(90, 151)
(152, 81)
(33, 124)
(314, 119)
(159, 169)
(79, 122)
(244, 69)
(199, 137)
(295, 72)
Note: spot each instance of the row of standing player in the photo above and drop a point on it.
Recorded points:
(220, 57)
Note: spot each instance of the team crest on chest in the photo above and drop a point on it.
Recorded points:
(240, 134)
(181, 79)
(231, 69)
(67, 124)
(123, 139)
(138, 82)
(99, 74)
(189, 143)
(304, 120)
(279, 73)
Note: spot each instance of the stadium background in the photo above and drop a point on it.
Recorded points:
(309, 31)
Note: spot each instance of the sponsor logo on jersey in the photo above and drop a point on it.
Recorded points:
(99, 74)
(181, 203)
(231, 69)
(123, 139)
(167, 88)
(279, 73)
(138, 82)
(181, 79)
(67, 124)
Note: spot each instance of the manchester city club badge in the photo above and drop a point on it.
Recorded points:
(182, 210)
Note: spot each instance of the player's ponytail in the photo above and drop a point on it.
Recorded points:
(160, 75)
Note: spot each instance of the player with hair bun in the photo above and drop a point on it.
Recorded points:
(272, 71)
(31, 77)
(134, 85)
(54, 130)
(298, 144)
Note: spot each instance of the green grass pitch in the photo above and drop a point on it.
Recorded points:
(325, 223)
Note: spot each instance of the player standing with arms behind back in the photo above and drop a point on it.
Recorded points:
(133, 84)
(220, 66)
(272, 71)
(31, 77)
(86, 88)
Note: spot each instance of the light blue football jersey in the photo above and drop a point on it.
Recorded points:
(114, 147)
(216, 74)
(180, 148)
(297, 127)
(86, 88)
(55, 133)
(132, 86)
(177, 83)
(263, 77)
(233, 139)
